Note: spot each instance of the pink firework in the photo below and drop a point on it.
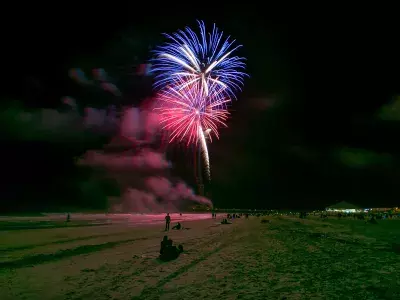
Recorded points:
(189, 114)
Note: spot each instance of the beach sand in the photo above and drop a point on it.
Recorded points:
(116, 258)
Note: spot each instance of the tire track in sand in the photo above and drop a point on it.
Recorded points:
(156, 290)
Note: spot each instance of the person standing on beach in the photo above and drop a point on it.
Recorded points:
(167, 222)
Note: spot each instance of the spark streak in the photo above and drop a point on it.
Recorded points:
(203, 59)
(186, 112)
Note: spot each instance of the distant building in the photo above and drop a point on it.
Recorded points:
(344, 207)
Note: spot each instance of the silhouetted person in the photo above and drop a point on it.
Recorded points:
(171, 253)
(164, 244)
(168, 251)
(68, 217)
(167, 222)
(177, 226)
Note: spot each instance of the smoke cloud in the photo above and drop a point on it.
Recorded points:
(146, 159)
(153, 192)
(148, 194)
(141, 172)
(49, 124)
(163, 188)
(160, 186)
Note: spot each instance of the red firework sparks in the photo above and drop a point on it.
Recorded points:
(187, 112)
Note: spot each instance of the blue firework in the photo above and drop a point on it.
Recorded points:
(205, 59)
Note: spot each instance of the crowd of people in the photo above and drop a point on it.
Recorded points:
(169, 252)
(367, 216)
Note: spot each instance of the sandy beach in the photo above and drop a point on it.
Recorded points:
(287, 258)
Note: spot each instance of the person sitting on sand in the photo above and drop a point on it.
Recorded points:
(168, 251)
(164, 243)
(169, 243)
(225, 221)
(177, 226)
(171, 253)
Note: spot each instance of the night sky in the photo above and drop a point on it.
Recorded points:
(306, 131)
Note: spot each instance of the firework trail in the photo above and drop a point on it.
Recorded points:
(205, 152)
(191, 115)
(203, 60)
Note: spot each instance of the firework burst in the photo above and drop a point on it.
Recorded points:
(183, 111)
(204, 60)
(190, 115)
